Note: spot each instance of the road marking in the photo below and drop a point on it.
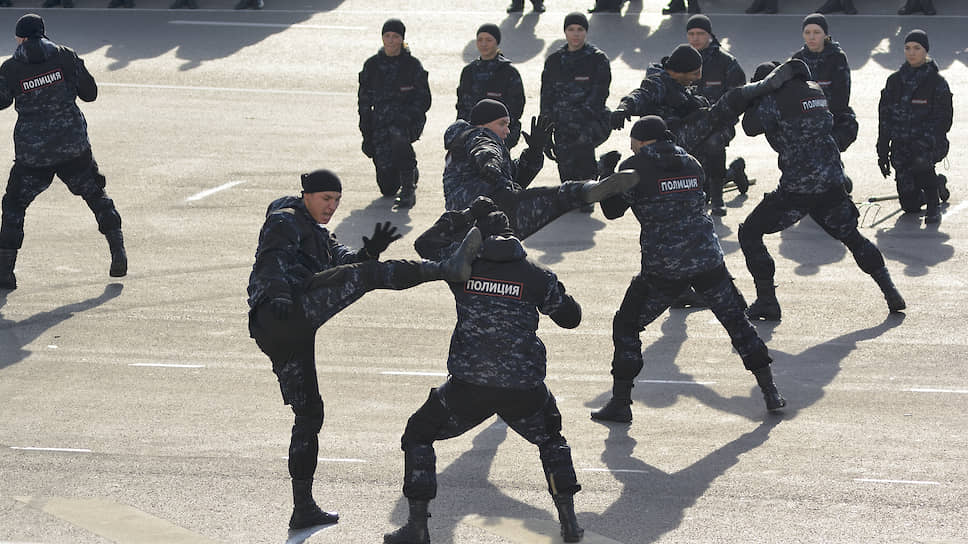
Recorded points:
(679, 382)
(627, 470)
(225, 89)
(928, 390)
(270, 25)
(68, 450)
(913, 482)
(166, 365)
(335, 460)
(116, 522)
(529, 531)
(403, 373)
(957, 209)
(213, 190)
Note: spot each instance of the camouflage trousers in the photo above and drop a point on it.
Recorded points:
(290, 343)
(457, 407)
(916, 186)
(82, 178)
(649, 296)
(529, 210)
(393, 155)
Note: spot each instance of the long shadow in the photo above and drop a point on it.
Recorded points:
(360, 222)
(919, 249)
(574, 231)
(808, 245)
(518, 41)
(14, 335)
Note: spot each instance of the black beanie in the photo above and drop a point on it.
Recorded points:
(495, 223)
(650, 127)
(916, 35)
(488, 110)
(394, 25)
(318, 181)
(491, 29)
(684, 59)
(30, 26)
(763, 70)
(699, 21)
(816, 19)
(576, 18)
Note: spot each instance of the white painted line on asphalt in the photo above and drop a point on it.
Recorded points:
(213, 190)
(628, 470)
(928, 390)
(224, 89)
(528, 531)
(166, 365)
(957, 209)
(271, 25)
(678, 382)
(67, 450)
(402, 373)
(913, 482)
(336, 460)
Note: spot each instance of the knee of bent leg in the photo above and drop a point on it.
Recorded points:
(309, 417)
(910, 202)
(425, 424)
(749, 235)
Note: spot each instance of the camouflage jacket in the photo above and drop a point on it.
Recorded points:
(798, 125)
(469, 149)
(495, 341)
(293, 247)
(393, 92)
(659, 94)
(574, 86)
(914, 114)
(830, 70)
(45, 80)
(498, 80)
(720, 72)
(677, 238)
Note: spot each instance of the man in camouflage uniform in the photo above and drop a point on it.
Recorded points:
(574, 86)
(798, 125)
(492, 76)
(479, 164)
(50, 137)
(393, 100)
(679, 249)
(301, 278)
(496, 365)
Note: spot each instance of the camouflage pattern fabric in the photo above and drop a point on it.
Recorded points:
(498, 80)
(574, 86)
(915, 114)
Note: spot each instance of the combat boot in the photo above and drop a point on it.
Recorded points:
(570, 530)
(717, 206)
(737, 174)
(764, 378)
(619, 407)
(537, 6)
(849, 8)
(830, 6)
(415, 531)
(756, 6)
(457, 267)
(516, 6)
(408, 190)
(8, 258)
(619, 182)
(675, 6)
(927, 7)
(693, 8)
(769, 6)
(909, 7)
(119, 259)
(933, 213)
(895, 302)
(943, 193)
(305, 512)
(766, 306)
(67, 3)
(50, 3)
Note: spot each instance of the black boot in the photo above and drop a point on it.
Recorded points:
(756, 6)
(764, 378)
(943, 193)
(736, 173)
(909, 7)
(769, 6)
(693, 8)
(570, 531)
(927, 7)
(931, 199)
(895, 302)
(457, 267)
(537, 6)
(607, 6)
(849, 8)
(619, 407)
(50, 3)
(415, 531)
(516, 6)
(766, 306)
(717, 206)
(8, 258)
(408, 189)
(619, 182)
(830, 6)
(675, 6)
(305, 512)
(119, 259)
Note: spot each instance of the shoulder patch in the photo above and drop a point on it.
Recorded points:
(43, 80)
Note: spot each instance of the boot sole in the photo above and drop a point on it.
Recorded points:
(617, 183)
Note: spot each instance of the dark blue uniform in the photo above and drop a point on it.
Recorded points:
(830, 70)
(496, 79)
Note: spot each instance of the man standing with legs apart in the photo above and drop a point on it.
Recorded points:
(496, 365)
(45, 80)
(679, 249)
(301, 278)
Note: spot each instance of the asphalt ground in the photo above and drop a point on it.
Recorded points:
(138, 410)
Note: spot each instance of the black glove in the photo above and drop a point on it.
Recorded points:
(481, 206)
(368, 148)
(383, 235)
(280, 307)
(607, 164)
(618, 119)
(541, 130)
(884, 163)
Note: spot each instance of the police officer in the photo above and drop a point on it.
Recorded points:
(679, 6)
(833, 6)
(492, 76)
(574, 86)
(50, 137)
(394, 98)
(301, 278)
(679, 249)
(496, 365)
(914, 117)
(479, 164)
(913, 6)
(518, 6)
(720, 72)
(798, 124)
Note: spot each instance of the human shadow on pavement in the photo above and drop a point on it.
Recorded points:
(572, 232)
(14, 335)
(807, 244)
(918, 249)
(360, 222)
(518, 43)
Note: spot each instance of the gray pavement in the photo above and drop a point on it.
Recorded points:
(139, 411)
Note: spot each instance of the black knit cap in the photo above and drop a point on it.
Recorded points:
(699, 21)
(576, 18)
(488, 110)
(394, 25)
(30, 26)
(816, 19)
(684, 59)
(495, 223)
(318, 181)
(763, 70)
(650, 127)
(919, 36)
(491, 29)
